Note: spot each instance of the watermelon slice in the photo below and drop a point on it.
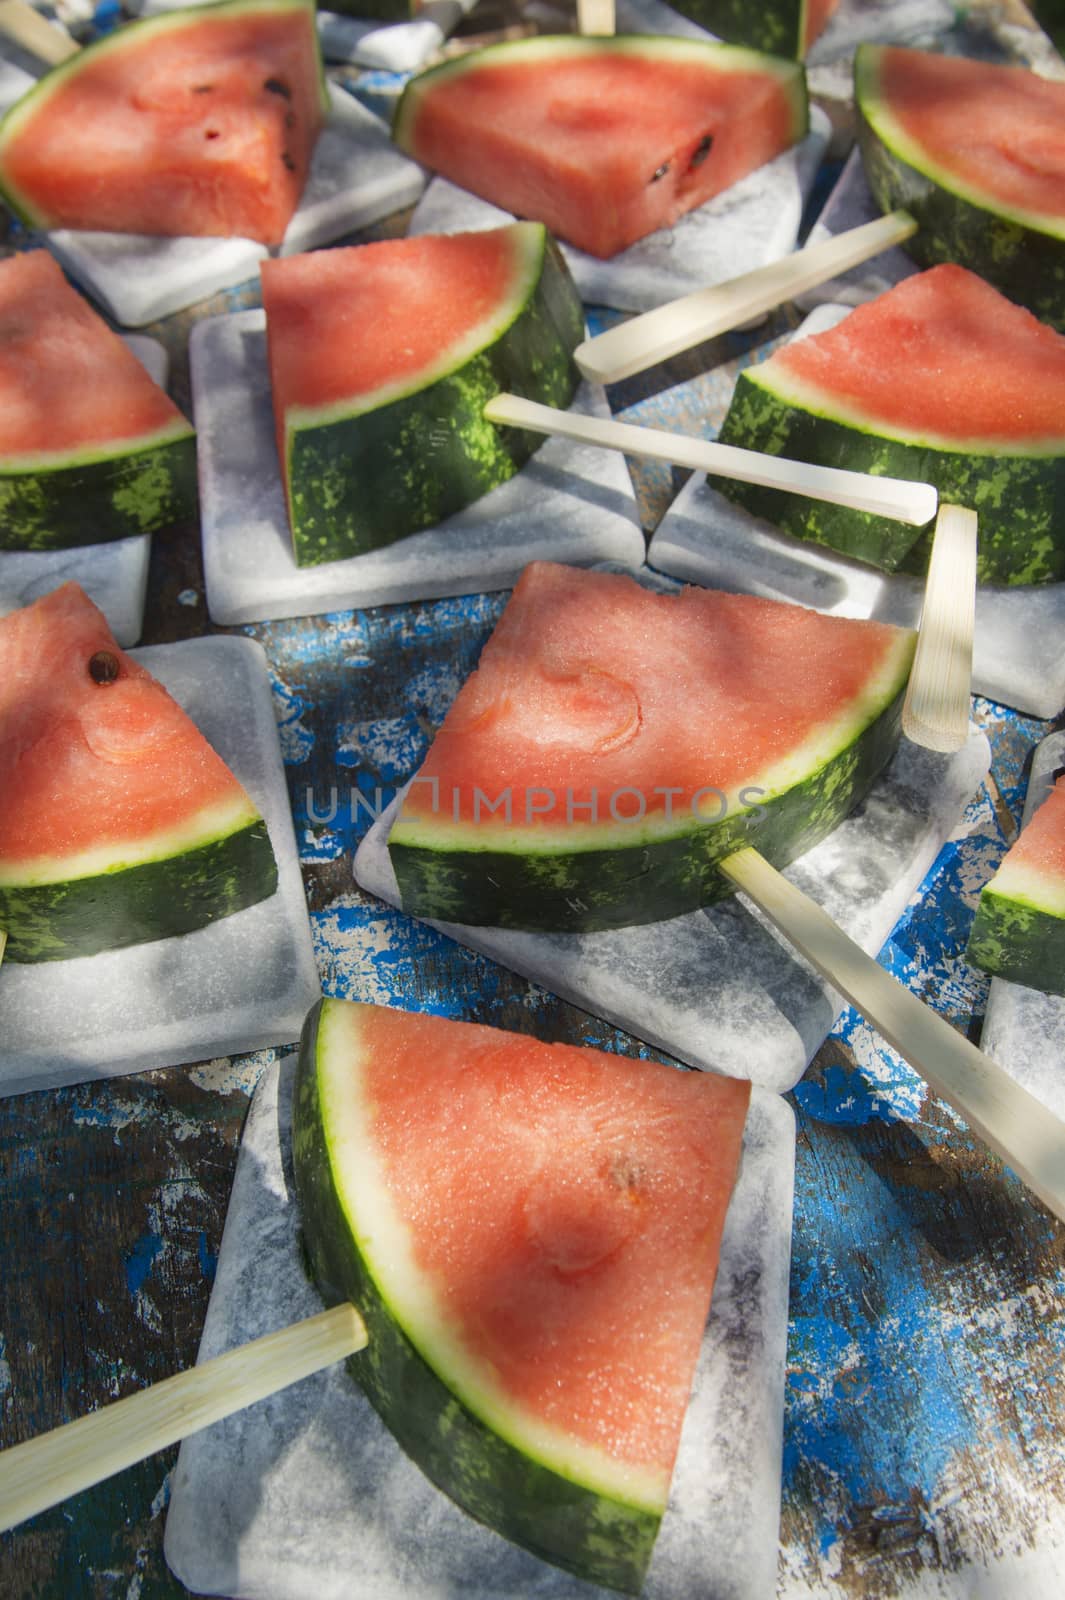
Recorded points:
(118, 822)
(90, 448)
(614, 744)
(1019, 929)
(197, 121)
(942, 380)
(783, 27)
(382, 357)
(602, 139)
(531, 1233)
(976, 151)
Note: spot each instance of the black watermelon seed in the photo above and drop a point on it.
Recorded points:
(203, 88)
(702, 150)
(662, 170)
(278, 86)
(288, 161)
(103, 668)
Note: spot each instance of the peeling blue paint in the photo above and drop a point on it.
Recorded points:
(141, 1259)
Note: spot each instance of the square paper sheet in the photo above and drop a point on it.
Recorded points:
(357, 176)
(307, 1497)
(570, 502)
(1019, 641)
(242, 983)
(113, 574)
(1024, 1029)
(719, 988)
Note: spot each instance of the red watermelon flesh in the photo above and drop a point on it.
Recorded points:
(554, 1212)
(815, 20)
(91, 770)
(998, 129)
(1034, 865)
(67, 383)
(189, 123)
(603, 140)
(885, 364)
(703, 688)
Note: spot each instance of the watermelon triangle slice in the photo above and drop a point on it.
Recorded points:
(615, 743)
(1019, 929)
(193, 122)
(976, 151)
(531, 1233)
(118, 822)
(91, 449)
(941, 380)
(603, 139)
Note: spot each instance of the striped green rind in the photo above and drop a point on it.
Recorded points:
(134, 36)
(591, 890)
(1025, 262)
(776, 26)
(130, 904)
(360, 482)
(1019, 499)
(586, 1532)
(92, 500)
(1017, 940)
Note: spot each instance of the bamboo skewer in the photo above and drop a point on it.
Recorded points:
(935, 712)
(21, 23)
(596, 17)
(656, 335)
(1018, 1127)
(913, 503)
(46, 1470)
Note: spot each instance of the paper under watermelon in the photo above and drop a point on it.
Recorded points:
(531, 1233)
(197, 121)
(1019, 929)
(943, 380)
(382, 358)
(614, 744)
(603, 139)
(118, 821)
(976, 152)
(91, 449)
(782, 27)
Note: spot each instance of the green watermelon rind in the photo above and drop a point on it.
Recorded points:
(553, 888)
(134, 35)
(134, 902)
(361, 479)
(493, 1478)
(1019, 497)
(549, 47)
(777, 27)
(1020, 252)
(1015, 939)
(98, 495)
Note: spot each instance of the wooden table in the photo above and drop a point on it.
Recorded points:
(925, 1408)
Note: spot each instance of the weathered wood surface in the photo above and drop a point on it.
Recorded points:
(924, 1405)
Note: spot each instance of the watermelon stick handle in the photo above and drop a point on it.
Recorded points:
(21, 23)
(1022, 1130)
(656, 335)
(596, 16)
(935, 712)
(45, 1470)
(898, 498)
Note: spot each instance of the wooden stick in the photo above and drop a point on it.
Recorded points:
(45, 1470)
(1027, 1136)
(935, 712)
(3, 943)
(596, 16)
(656, 335)
(35, 33)
(913, 503)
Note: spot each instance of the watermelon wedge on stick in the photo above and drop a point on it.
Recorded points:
(118, 822)
(1019, 929)
(603, 139)
(532, 1348)
(193, 122)
(91, 449)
